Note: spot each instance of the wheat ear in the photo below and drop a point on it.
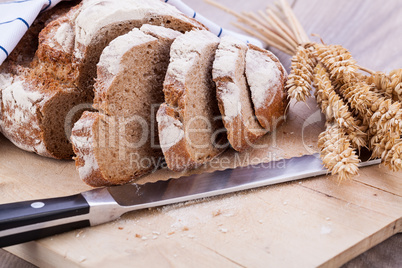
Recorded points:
(338, 61)
(335, 109)
(301, 74)
(387, 121)
(336, 152)
(393, 158)
(388, 84)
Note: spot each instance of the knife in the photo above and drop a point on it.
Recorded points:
(30, 220)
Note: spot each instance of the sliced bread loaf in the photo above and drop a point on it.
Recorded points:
(119, 143)
(233, 94)
(61, 76)
(266, 78)
(190, 128)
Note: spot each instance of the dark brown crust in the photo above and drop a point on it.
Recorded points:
(270, 117)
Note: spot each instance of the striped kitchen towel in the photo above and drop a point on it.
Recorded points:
(17, 16)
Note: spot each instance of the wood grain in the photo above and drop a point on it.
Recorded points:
(309, 223)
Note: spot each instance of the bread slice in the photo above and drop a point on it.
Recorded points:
(190, 128)
(119, 143)
(266, 78)
(63, 71)
(233, 94)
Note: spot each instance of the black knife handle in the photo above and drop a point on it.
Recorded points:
(30, 220)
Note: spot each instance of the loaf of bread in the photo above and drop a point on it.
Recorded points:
(42, 102)
(35, 101)
(190, 128)
(119, 143)
(233, 93)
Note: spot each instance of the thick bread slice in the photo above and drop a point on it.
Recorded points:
(145, 61)
(64, 69)
(122, 136)
(233, 94)
(266, 78)
(191, 131)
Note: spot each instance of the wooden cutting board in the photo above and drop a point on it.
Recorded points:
(308, 223)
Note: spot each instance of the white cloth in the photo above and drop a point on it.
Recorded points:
(17, 16)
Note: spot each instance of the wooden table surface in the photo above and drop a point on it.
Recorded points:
(371, 30)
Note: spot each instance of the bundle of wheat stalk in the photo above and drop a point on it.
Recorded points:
(362, 107)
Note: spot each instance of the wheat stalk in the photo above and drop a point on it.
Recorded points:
(382, 115)
(336, 152)
(301, 74)
(335, 108)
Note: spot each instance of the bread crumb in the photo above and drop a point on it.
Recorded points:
(185, 228)
(156, 233)
(154, 237)
(261, 221)
(217, 213)
(223, 230)
(171, 233)
(144, 238)
(325, 229)
(138, 235)
(120, 228)
(79, 233)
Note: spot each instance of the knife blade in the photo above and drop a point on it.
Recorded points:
(30, 220)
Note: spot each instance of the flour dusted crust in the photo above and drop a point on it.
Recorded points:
(172, 140)
(19, 109)
(84, 142)
(190, 54)
(97, 14)
(233, 94)
(266, 78)
(101, 21)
